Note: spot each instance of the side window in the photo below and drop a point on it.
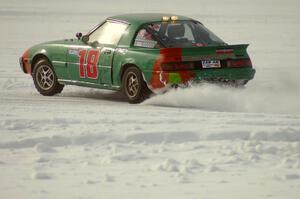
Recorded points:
(108, 33)
(145, 39)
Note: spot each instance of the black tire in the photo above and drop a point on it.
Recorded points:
(45, 79)
(134, 86)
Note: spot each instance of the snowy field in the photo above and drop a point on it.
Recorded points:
(204, 142)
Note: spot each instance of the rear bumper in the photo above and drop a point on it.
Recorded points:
(161, 79)
(226, 74)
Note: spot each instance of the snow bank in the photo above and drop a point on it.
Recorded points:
(48, 143)
(41, 176)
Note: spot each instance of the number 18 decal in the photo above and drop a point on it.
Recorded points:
(89, 69)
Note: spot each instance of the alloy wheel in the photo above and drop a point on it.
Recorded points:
(45, 77)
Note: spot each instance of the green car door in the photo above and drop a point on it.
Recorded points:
(81, 61)
(91, 61)
(105, 64)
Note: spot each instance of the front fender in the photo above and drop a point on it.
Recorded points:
(54, 53)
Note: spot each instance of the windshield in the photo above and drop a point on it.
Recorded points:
(109, 32)
(181, 34)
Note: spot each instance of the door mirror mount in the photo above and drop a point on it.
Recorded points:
(85, 39)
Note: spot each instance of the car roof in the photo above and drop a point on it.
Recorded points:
(141, 18)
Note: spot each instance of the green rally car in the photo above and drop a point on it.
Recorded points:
(138, 54)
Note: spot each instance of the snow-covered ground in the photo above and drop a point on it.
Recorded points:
(204, 142)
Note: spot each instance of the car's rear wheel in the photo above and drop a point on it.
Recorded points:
(134, 86)
(45, 79)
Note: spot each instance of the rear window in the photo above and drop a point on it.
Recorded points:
(176, 34)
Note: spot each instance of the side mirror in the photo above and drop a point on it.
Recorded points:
(78, 35)
(85, 38)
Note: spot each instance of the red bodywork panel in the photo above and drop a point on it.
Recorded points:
(159, 78)
(25, 62)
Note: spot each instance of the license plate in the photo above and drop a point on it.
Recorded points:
(211, 64)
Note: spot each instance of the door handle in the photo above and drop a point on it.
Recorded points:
(107, 52)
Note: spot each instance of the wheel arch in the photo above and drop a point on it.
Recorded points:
(37, 57)
(142, 91)
(125, 67)
(128, 65)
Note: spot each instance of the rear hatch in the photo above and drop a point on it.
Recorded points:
(206, 57)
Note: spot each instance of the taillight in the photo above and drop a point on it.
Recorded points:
(177, 66)
(239, 63)
(224, 51)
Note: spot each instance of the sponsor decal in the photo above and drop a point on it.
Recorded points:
(123, 51)
(73, 52)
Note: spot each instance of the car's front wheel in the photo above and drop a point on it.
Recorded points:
(45, 79)
(134, 86)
